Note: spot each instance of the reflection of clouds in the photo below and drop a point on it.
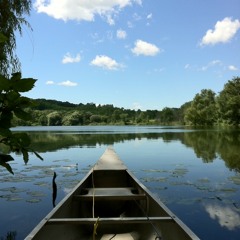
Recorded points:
(67, 190)
(226, 216)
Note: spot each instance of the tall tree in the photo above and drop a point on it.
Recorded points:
(229, 102)
(11, 20)
(202, 110)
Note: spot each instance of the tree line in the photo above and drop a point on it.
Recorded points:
(206, 109)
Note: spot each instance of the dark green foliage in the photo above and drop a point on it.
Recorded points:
(53, 112)
(203, 111)
(229, 103)
(13, 104)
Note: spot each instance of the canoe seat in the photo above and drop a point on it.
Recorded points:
(110, 194)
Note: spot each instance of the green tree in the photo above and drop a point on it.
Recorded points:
(73, 119)
(11, 20)
(167, 115)
(203, 111)
(228, 102)
(54, 119)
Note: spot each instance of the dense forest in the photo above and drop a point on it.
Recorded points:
(206, 109)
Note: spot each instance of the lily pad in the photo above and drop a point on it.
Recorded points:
(179, 172)
(36, 194)
(41, 184)
(154, 179)
(34, 200)
(235, 179)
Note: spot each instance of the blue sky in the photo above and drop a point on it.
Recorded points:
(135, 54)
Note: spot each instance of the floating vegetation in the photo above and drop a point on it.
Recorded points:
(228, 190)
(36, 194)
(62, 160)
(204, 188)
(155, 170)
(41, 184)
(235, 179)
(70, 174)
(14, 199)
(154, 179)
(33, 200)
(204, 180)
(11, 197)
(179, 172)
(13, 190)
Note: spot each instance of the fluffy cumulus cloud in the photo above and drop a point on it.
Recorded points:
(70, 59)
(82, 9)
(144, 48)
(121, 34)
(68, 84)
(223, 32)
(105, 62)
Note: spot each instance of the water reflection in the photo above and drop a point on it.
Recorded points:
(207, 144)
(226, 216)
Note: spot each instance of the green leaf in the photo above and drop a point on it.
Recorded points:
(24, 85)
(3, 162)
(12, 97)
(4, 132)
(7, 166)
(25, 155)
(5, 158)
(16, 76)
(24, 102)
(4, 83)
(22, 114)
(22, 139)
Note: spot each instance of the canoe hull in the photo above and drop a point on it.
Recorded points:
(111, 203)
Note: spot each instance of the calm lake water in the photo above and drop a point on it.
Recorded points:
(196, 173)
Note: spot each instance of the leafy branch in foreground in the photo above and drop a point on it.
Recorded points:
(12, 103)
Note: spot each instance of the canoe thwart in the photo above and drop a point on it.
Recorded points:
(123, 220)
(110, 193)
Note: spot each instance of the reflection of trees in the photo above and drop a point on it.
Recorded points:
(204, 144)
(11, 235)
(228, 149)
(50, 141)
(207, 144)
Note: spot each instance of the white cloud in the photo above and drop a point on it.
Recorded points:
(105, 62)
(82, 10)
(121, 34)
(149, 16)
(223, 32)
(70, 59)
(50, 82)
(232, 68)
(144, 48)
(211, 64)
(130, 24)
(68, 84)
